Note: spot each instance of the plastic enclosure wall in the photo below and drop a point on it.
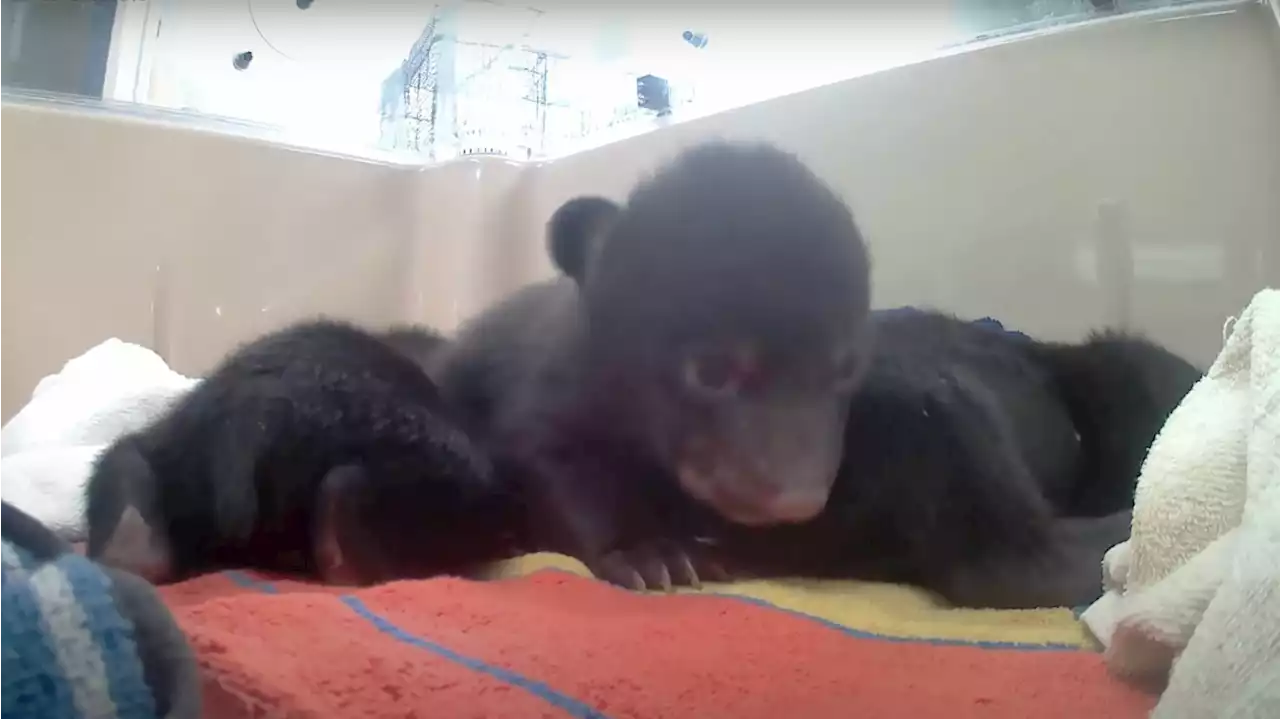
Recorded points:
(1120, 173)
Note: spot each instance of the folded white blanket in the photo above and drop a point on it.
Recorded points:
(1193, 600)
(47, 450)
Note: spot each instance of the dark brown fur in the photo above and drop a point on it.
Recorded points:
(974, 462)
(317, 449)
(734, 260)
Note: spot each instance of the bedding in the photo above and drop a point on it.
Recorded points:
(48, 448)
(537, 636)
(82, 641)
(1193, 600)
(541, 639)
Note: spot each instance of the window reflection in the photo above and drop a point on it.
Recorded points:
(431, 80)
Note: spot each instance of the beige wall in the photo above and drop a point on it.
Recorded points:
(1012, 181)
(184, 241)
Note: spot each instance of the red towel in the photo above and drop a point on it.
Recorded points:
(557, 645)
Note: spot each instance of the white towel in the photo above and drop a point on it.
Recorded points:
(1193, 598)
(47, 450)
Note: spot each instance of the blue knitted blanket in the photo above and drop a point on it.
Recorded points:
(68, 652)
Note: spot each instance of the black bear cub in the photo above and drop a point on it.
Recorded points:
(318, 449)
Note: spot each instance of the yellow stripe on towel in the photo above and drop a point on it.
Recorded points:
(887, 610)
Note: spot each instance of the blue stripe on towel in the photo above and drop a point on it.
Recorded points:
(861, 634)
(561, 701)
(850, 631)
(567, 703)
(250, 582)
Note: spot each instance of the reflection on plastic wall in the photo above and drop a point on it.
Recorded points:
(1141, 197)
(508, 78)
